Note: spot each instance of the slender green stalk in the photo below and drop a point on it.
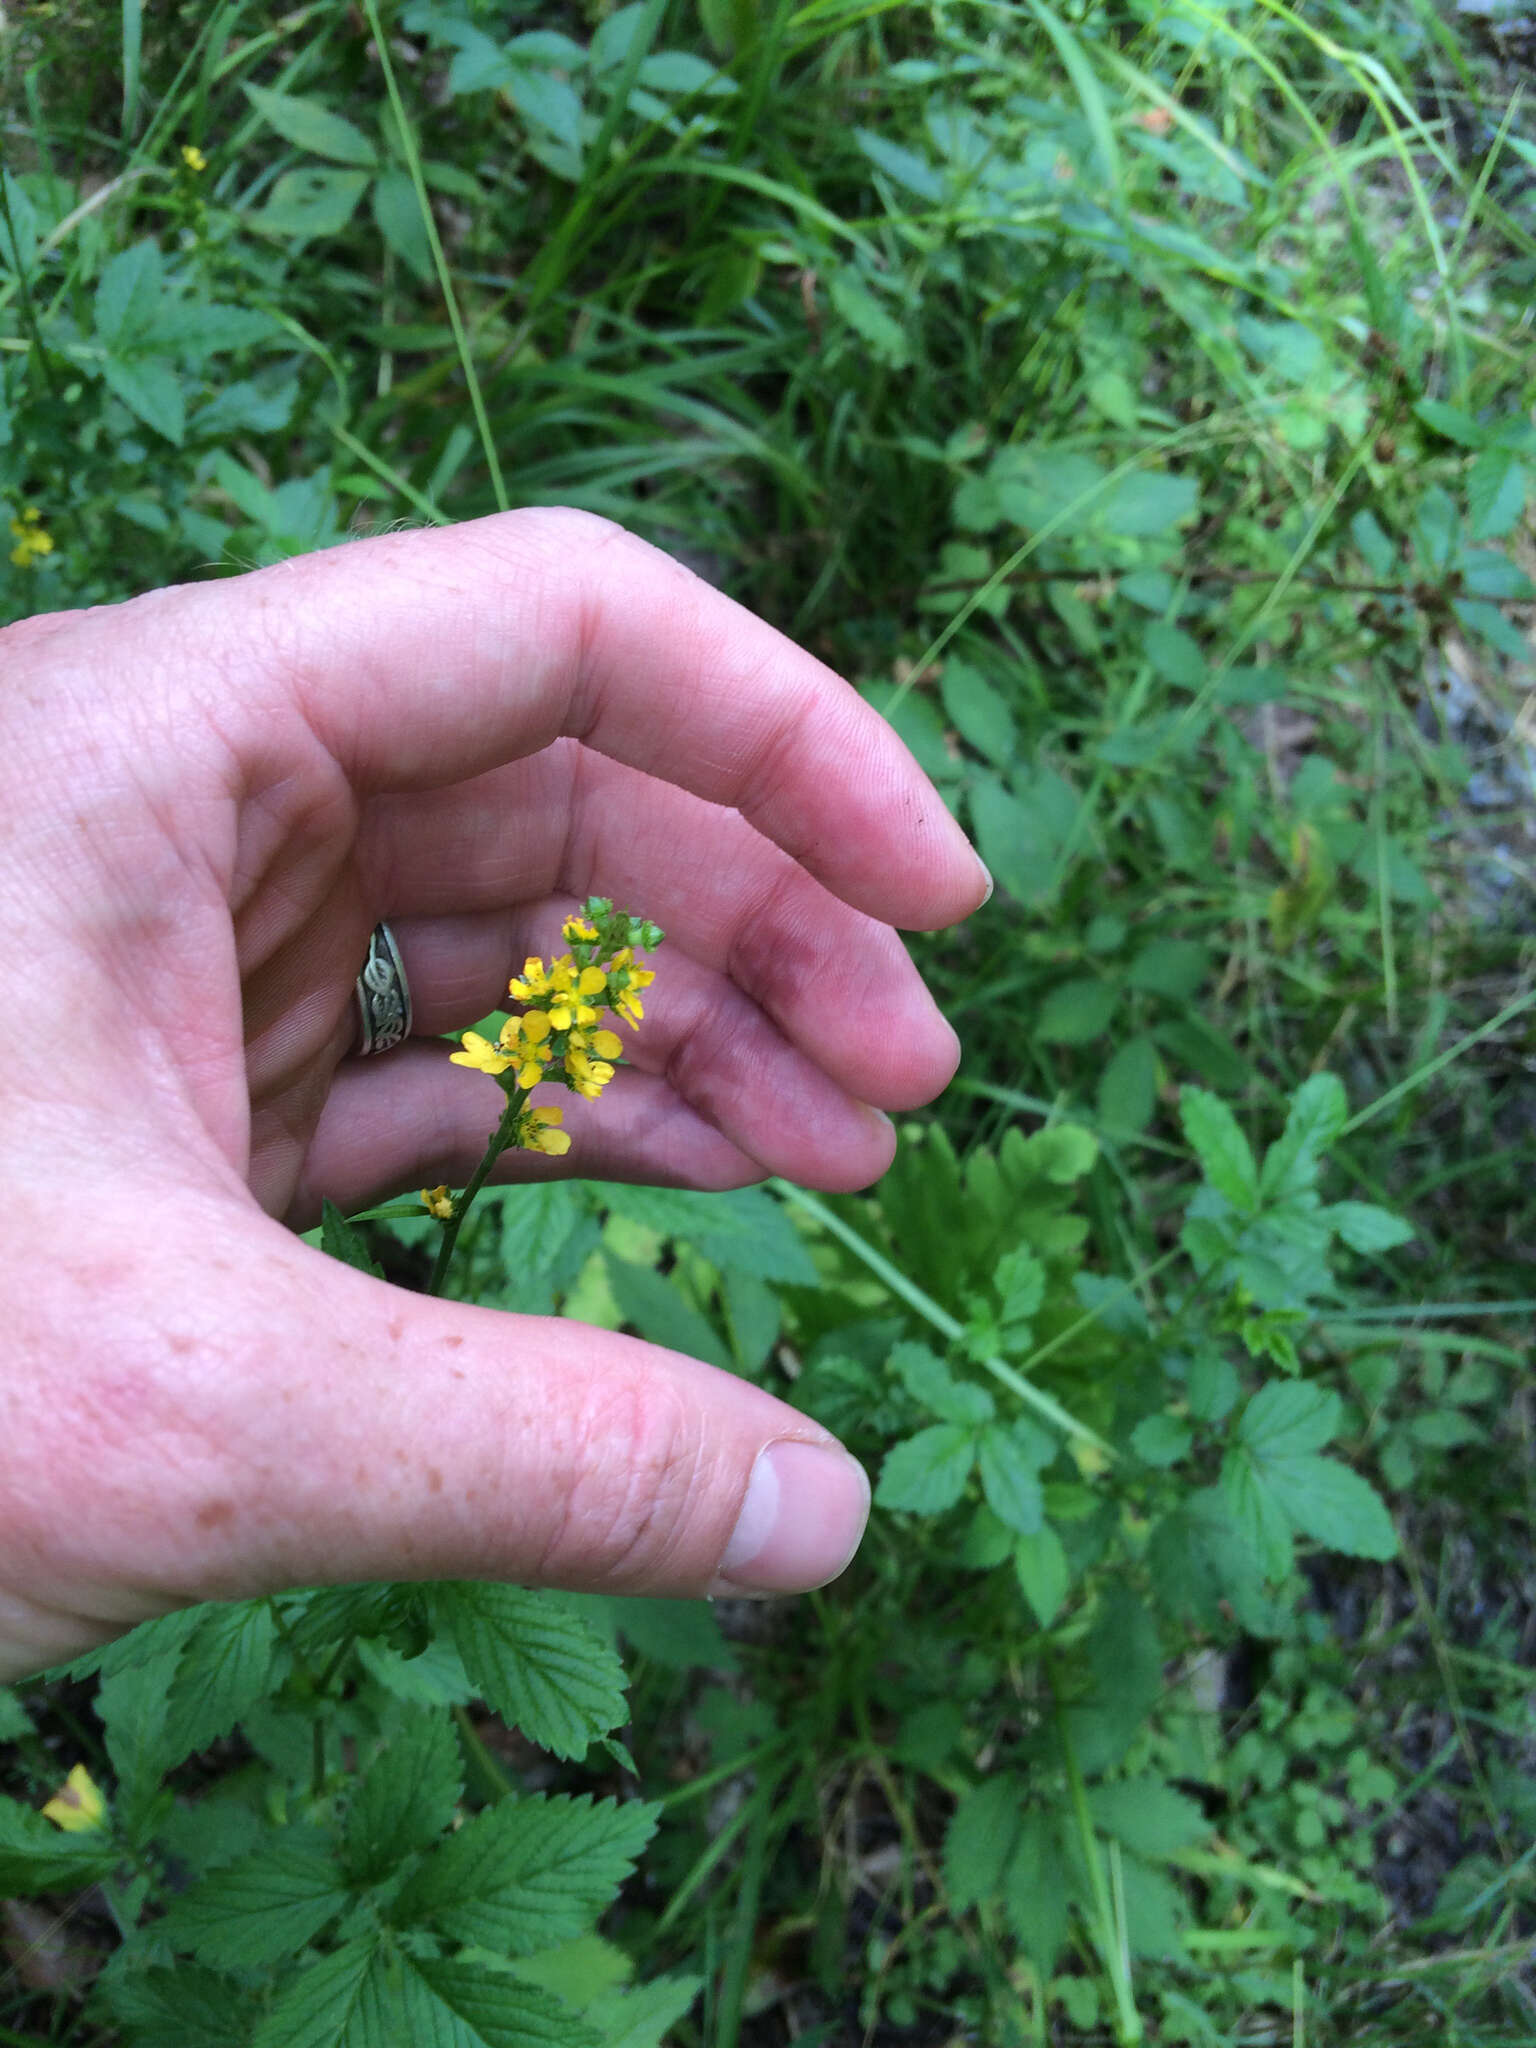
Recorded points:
(500, 1139)
(1111, 1947)
(439, 260)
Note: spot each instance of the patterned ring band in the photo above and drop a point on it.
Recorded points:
(383, 995)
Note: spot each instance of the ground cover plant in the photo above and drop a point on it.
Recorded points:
(1136, 403)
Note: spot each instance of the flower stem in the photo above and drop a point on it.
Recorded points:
(500, 1139)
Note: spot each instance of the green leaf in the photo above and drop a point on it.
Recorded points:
(1044, 1575)
(308, 125)
(1010, 1460)
(1177, 659)
(1496, 489)
(904, 167)
(1452, 423)
(1365, 1228)
(151, 391)
(880, 331)
(1174, 968)
(253, 1913)
(405, 1799)
(927, 1473)
(317, 2009)
(747, 1230)
(681, 1635)
(15, 1722)
(542, 1667)
(1161, 1439)
(1289, 1418)
(930, 1383)
(1014, 841)
(980, 1838)
(35, 1856)
(644, 2017)
(341, 1239)
(1148, 1816)
(1328, 1502)
(683, 71)
(397, 215)
(1224, 1153)
(1123, 1657)
(655, 1305)
(1020, 1282)
(459, 2003)
(129, 294)
(188, 2006)
(304, 204)
(528, 1872)
(546, 102)
(1317, 1115)
(228, 1664)
(979, 713)
(1039, 1890)
(1151, 504)
(1076, 1012)
(1127, 1097)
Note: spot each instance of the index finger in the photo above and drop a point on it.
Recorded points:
(421, 659)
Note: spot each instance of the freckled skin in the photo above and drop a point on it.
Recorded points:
(465, 732)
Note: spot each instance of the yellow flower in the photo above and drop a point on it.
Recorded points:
(439, 1203)
(77, 1807)
(628, 980)
(32, 538)
(578, 931)
(523, 1040)
(532, 984)
(193, 157)
(539, 1131)
(571, 1007)
(588, 1077)
(482, 1055)
(606, 1044)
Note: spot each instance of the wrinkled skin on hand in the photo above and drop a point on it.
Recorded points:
(208, 797)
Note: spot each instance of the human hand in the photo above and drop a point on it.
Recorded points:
(210, 796)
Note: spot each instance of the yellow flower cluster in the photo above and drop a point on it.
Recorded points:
(32, 538)
(560, 1026)
(193, 158)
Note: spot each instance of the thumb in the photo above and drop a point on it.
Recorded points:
(251, 1415)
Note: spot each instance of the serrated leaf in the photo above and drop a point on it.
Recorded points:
(151, 391)
(746, 1229)
(308, 125)
(546, 102)
(1289, 1418)
(188, 2006)
(1039, 1890)
(1127, 1095)
(1020, 1282)
(317, 2009)
(1317, 1115)
(129, 293)
(540, 1666)
(457, 2003)
(1147, 1815)
(879, 330)
(227, 1665)
(527, 1873)
(1044, 1575)
(980, 1839)
(406, 1798)
(1009, 1460)
(35, 1856)
(1365, 1228)
(15, 1722)
(979, 712)
(253, 1913)
(660, 1313)
(1226, 1157)
(307, 203)
(927, 1473)
(904, 167)
(1496, 489)
(341, 1239)
(644, 2017)
(1328, 1502)
(930, 1383)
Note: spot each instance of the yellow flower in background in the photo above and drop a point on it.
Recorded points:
(439, 1203)
(480, 1054)
(193, 158)
(32, 538)
(78, 1806)
(539, 1131)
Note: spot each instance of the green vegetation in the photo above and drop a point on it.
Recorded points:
(1136, 404)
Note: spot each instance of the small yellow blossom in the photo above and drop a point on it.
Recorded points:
(78, 1806)
(479, 1053)
(606, 1044)
(626, 980)
(32, 538)
(587, 1076)
(578, 931)
(572, 1007)
(193, 157)
(539, 1131)
(533, 983)
(439, 1203)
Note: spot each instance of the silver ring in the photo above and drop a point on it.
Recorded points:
(383, 995)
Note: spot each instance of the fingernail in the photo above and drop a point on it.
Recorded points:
(991, 885)
(800, 1523)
